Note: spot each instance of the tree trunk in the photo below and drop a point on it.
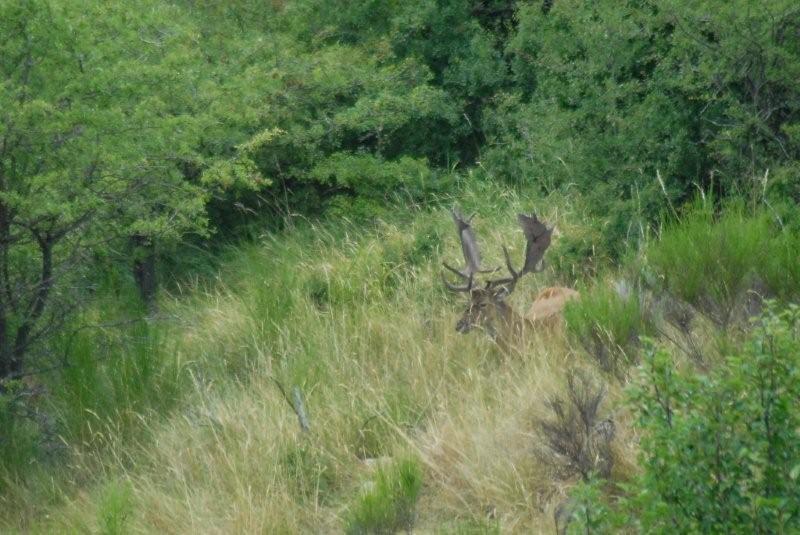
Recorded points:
(5, 348)
(35, 309)
(144, 270)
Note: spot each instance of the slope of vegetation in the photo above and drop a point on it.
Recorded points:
(190, 424)
(359, 322)
(221, 235)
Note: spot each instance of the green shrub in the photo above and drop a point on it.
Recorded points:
(586, 511)
(608, 325)
(390, 505)
(720, 453)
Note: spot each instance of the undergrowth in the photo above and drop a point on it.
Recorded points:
(718, 262)
(608, 323)
(719, 450)
(388, 505)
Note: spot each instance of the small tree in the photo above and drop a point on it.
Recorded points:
(97, 130)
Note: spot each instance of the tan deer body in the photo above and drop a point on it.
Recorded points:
(487, 306)
(548, 307)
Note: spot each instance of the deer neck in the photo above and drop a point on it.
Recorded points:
(512, 324)
(505, 312)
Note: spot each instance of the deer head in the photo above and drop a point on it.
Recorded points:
(487, 307)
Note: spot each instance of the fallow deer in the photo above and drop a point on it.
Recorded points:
(487, 306)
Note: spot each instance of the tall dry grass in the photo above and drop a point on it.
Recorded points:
(360, 324)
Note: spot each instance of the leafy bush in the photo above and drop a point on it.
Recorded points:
(586, 511)
(369, 177)
(720, 452)
(390, 505)
(608, 325)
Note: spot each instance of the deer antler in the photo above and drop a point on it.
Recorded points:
(469, 247)
(537, 240)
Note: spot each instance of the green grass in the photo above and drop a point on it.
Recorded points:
(115, 509)
(713, 260)
(608, 325)
(114, 375)
(389, 504)
(19, 436)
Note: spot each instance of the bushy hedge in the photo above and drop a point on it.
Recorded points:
(719, 451)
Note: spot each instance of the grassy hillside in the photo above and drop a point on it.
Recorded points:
(360, 322)
(191, 428)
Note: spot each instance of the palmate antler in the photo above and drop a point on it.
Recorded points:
(472, 256)
(537, 240)
(537, 237)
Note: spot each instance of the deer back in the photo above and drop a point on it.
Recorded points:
(547, 310)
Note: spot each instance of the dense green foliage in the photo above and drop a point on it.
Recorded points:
(719, 451)
(633, 101)
(102, 117)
